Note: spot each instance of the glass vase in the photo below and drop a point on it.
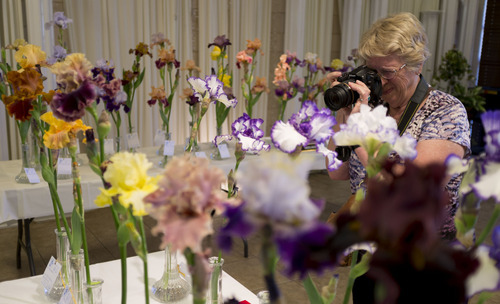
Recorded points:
(214, 290)
(34, 148)
(172, 287)
(22, 177)
(64, 153)
(161, 151)
(118, 144)
(93, 292)
(62, 247)
(77, 275)
(215, 153)
(196, 146)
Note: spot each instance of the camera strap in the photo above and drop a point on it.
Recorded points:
(423, 88)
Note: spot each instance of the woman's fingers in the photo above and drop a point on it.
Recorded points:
(363, 91)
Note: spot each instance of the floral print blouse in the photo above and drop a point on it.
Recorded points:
(441, 117)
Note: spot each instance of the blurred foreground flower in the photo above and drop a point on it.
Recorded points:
(188, 192)
(276, 202)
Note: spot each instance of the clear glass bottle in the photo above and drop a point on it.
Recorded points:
(172, 287)
(93, 292)
(77, 275)
(62, 247)
(22, 177)
(161, 151)
(214, 290)
(64, 153)
(215, 153)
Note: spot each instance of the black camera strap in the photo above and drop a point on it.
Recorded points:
(423, 88)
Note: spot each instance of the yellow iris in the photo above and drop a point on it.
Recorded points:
(127, 175)
(337, 64)
(226, 80)
(29, 56)
(60, 132)
(215, 54)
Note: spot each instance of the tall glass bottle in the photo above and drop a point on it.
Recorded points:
(172, 287)
(62, 246)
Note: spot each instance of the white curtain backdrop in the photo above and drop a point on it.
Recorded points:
(237, 20)
(116, 26)
(308, 28)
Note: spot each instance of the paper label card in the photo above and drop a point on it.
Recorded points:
(109, 147)
(51, 273)
(66, 297)
(133, 141)
(32, 176)
(168, 148)
(201, 154)
(159, 137)
(224, 151)
(63, 166)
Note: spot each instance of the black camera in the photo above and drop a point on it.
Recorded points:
(341, 95)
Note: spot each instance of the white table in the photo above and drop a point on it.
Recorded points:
(30, 290)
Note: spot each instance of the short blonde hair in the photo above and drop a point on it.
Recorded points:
(400, 34)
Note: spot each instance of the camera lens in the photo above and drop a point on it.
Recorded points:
(340, 96)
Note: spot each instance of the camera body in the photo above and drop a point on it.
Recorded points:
(341, 95)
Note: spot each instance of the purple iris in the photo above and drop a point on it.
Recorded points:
(59, 54)
(220, 41)
(238, 224)
(491, 124)
(70, 107)
(60, 20)
(247, 126)
(299, 253)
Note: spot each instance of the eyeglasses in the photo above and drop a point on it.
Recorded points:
(388, 75)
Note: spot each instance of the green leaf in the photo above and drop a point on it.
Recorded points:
(123, 234)
(47, 173)
(312, 292)
(76, 231)
(362, 267)
(138, 82)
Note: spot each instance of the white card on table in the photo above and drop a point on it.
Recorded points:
(109, 146)
(159, 137)
(224, 151)
(51, 273)
(32, 176)
(63, 166)
(169, 147)
(133, 141)
(201, 154)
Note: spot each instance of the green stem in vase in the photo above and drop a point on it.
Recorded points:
(145, 258)
(78, 198)
(123, 256)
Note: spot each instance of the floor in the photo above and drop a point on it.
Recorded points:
(103, 246)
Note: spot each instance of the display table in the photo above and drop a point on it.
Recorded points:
(24, 201)
(30, 290)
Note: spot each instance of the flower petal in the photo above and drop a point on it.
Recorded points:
(285, 137)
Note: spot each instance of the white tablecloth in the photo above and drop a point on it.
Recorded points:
(30, 290)
(21, 201)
